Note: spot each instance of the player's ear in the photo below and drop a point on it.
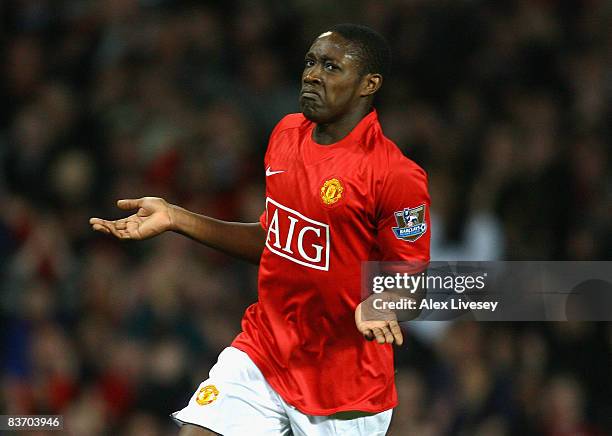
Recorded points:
(371, 83)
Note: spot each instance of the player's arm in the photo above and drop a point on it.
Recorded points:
(155, 216)
(402, 235)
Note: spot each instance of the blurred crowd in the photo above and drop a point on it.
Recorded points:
(506, 104)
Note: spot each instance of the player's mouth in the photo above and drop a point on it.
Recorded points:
(310, 94)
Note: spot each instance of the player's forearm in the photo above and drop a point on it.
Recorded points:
(408, 305)
(242, 240)
(391, 305)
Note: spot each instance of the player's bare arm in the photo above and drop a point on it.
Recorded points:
(155, 216)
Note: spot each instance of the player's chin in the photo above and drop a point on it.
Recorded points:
(312, 112)
(317, 117)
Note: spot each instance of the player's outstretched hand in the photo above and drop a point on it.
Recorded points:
(154, 216)
(379, 325)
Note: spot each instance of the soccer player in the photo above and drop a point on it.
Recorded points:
(338, 193)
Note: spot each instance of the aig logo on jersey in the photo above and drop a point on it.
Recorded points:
(411, 223)
(296, 237)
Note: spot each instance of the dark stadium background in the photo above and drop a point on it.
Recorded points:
(506, 104)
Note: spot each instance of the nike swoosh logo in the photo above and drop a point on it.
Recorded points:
(269, 172)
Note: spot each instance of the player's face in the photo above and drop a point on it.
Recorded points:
(331, 81)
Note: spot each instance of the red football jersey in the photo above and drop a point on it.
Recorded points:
(328, 208)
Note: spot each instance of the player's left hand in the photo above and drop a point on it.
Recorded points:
(376, 324)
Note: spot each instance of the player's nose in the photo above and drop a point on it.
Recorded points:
(312, 77)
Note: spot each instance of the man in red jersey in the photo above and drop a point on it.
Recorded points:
(338, 193)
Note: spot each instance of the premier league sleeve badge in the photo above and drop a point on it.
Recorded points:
(411, 223)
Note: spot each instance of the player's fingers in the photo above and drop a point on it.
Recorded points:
(99, 224)
(397, 332)
(100, 221)
(121, 224)
(123, 234)
(368, 334)
(380, 336)
(108, 225)
(115, 231)
(130, 203)
(100, 228)
(365, 331)
(132, 229)
(388, 335)
(111, 228)
(117, 228)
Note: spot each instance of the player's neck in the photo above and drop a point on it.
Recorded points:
(331, 133)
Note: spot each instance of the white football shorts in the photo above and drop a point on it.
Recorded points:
(236, 399)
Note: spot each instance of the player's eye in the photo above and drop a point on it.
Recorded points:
(330, 67)
(308, 63)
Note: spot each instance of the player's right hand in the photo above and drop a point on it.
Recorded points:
(376, 324)
(154, 216)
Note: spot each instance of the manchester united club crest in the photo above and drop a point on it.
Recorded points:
(411, 223)
(207, 395)
(331, 191)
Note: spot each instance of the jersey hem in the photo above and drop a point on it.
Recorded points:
(307, 410)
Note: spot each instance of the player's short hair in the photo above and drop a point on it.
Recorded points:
(372, 48)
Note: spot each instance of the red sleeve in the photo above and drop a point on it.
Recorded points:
(403, 215)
